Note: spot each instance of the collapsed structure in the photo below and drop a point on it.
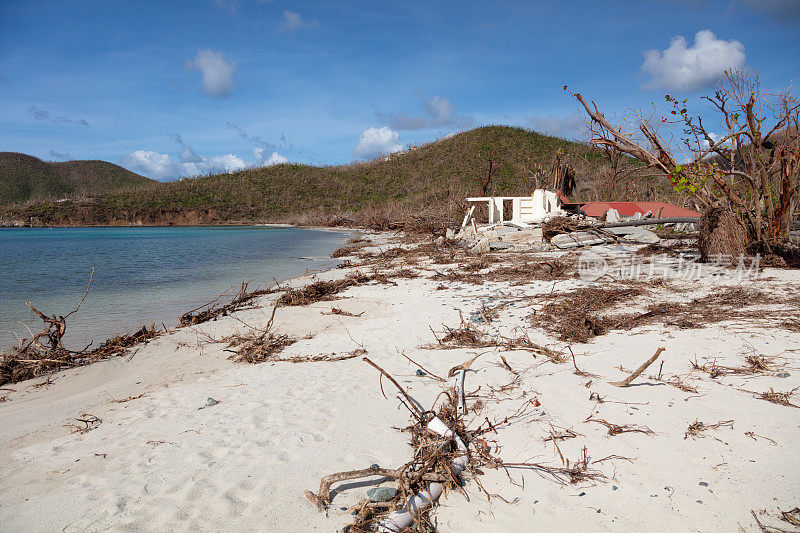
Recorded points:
(516, 222)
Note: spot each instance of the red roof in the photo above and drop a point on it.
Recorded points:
(627, 209)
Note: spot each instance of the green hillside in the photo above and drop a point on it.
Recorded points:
(25, 178)
(430, 180)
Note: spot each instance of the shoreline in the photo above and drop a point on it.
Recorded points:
(123, 323)
(165, 460)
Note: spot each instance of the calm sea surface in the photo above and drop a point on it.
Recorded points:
(141, 275)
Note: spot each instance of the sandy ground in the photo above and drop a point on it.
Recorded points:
(165, 461)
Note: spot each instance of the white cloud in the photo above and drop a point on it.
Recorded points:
(214, 165)
(715, 138)
(161, 166)
(690, 68)
(151, 164)
(274, 159)
(441, 112)
(569, 127)
(377, 141)
(292, 21)
(216, 72)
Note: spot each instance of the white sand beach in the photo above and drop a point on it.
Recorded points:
(164, 461)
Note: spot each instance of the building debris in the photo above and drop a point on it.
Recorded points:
(546, 220)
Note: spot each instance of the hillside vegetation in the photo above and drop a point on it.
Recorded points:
(430, 181)
(25, 178)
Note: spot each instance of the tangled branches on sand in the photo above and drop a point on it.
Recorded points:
(755, 365)
(259, 346)
(781, 398)
(574, 316)
(558, 225)
(444, 448)
(433, 461)
(468, 336)
(212, 310)
(321, 291)
(44, 351)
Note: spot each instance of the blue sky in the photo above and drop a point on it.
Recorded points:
(186, 87)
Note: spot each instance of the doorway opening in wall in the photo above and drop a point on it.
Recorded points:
(508, 209)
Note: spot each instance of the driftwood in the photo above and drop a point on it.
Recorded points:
(635, 374)
(432, 462)
(44, 352)
(213, 310)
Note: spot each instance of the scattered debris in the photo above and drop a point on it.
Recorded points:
(351, 248)
(326, 290)
(781, 398)
(756, 364)
(321, 358)
(562, 225)
(570, 473)
(755, 436)
(129, 398)
(213, 310)
(627, 381)
(468, 336)
(437, 452)
(614, 429)
(574, 315)
(338, 311)
(257, 347)
(89, 422)
(696, 428)
(562, 435)
(793, 516)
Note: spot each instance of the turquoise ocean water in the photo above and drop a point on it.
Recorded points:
(141, 275)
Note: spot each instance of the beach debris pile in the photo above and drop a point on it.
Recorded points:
(259, 345)
(321, 291)
(214, 309)
(467, 335)
(440, 440)
(447, 453)
(575, 316)
(581, 314)
(44, 351)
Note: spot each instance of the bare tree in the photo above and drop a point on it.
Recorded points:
(752, 169)
(489, 175)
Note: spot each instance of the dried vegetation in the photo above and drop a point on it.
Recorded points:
(575, 316)
(44, 351)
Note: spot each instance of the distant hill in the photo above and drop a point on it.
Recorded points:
(430, 180)
(25, 178)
